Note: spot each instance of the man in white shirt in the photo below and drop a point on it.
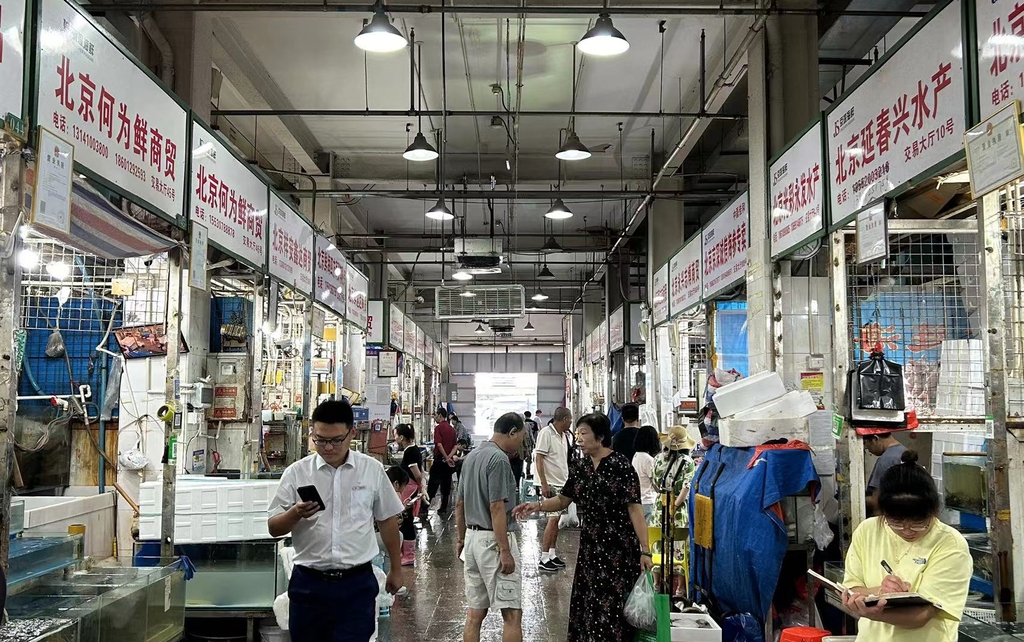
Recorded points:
(333, 591)
(552, 455)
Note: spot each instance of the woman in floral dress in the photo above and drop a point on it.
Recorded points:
(613, 537)
(673, 472)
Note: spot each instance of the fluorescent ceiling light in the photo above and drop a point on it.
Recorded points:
(604, 39)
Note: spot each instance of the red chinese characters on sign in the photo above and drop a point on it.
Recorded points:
(723, 252)
(147, 150)
(1005, 44)
(237, 212)
(283, 244)
(796, 196)
(688, 278)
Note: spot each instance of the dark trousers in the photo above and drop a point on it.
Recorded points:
(407, 528)
(332, 609)
(517, 471)
(440, 477)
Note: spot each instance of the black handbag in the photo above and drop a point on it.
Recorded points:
(880, 384)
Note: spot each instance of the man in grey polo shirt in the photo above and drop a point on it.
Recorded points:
(486, 496)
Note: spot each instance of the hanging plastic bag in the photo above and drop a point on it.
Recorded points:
(820, 529)
(880, 383)
(55, 345)
(571, 519)
(641, 611)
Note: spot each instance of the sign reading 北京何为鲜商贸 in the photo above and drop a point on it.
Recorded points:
(355, 306)
(1000, 26)
(291, 246)
(796, 193)
(724, 244)
(396, 328)
(12, 60)
(903, 119)
(125, 127)
(684, 277)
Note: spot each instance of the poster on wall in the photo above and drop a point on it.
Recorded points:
(1000, 73)
(330, 276)
(659, 295)
(396, 328)
(995, 154)
(375, 323)
(125, 127)
(685, 278)
(904, 118)
(387, 363)
(358, 287)
(12, 62)
(796, 193)
(51, 203)
(617, 329)
(291, 246)
(319, 322)
(228, 199)
(724, 243)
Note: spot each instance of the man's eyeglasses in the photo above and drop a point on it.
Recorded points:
(916, 527)
(336, 442)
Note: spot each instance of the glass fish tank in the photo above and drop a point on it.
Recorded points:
(965, 482)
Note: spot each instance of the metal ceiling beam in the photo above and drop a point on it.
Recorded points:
(484, 235)
(481, 113)
(522, 195)
(505, 9)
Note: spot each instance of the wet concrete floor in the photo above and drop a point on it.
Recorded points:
(434, 610)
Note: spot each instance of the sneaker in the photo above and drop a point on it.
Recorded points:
(548, 567)
(556, 562)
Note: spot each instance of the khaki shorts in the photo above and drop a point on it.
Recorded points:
(486, 586)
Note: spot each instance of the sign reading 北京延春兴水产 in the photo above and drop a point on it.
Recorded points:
(796, 193)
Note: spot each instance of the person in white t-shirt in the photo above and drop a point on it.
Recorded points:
(552, 456)
(648, 446)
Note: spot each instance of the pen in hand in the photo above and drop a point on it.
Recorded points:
(888, 569)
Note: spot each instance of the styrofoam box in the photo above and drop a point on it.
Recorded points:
(743, 433)
(197, 498)
(792, 405)
(748, 393)
(695, 627)
(197, 529)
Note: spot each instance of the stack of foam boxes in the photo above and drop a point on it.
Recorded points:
(209, 510)
(961, 389)
(758, 409)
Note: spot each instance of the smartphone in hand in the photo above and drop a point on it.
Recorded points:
(311, 494)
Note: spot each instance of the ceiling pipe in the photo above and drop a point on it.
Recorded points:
(668, 168)
(521, 196)
(534, 10)
(467, 113)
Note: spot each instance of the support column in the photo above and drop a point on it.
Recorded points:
(172, 387)
(190, 36)
(10, 292)
(760, 343)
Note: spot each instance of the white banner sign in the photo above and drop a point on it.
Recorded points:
(330, 276)
(228, 199)
(12, 60)
(410, 337)
(375, 323)
(421, 345)
(684, 277)
(659, 295)
(358, 286)
(396, 328)
(1000, 26)
(796, 194)
(602, 340)
(724, 243)
(198, 256)
(51, 202)
(902, 120)
(291, 246)
(124, 126)
(617, 329)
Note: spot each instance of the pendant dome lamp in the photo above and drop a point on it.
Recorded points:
(378, 34)
(558, 211)
(573, 148)
(603, 39)
(420, 150)
(529, 324)
(440, 211)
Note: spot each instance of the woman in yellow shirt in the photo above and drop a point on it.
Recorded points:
(925, 556)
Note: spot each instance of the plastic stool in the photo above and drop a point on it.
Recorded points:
(803, 634)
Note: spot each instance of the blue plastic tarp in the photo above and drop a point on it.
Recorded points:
(750, 539)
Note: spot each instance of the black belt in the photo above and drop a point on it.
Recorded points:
(479, 528)
(339, 574)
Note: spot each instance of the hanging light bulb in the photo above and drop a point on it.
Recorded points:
(379, 35)
(28, 259)
(572, 149)
(551, 246)
(440, 211)
(528, 327)
(603, 39)
(462, 275)
(540, 296)
(420, 149)
(558, 211)
(58, 270)
(469, 294)
(479, 329)
(545, 274)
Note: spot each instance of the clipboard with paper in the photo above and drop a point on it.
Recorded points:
(892, 600)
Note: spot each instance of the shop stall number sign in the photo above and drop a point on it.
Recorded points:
(994, 153)
(872, 234)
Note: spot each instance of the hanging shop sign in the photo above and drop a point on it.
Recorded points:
(410, 337)
(591, 348)
(356, 306)
(125, 127)
(396, 328)
(438, 357)
(995, 153)
(429, 356)
(602, 340)
(197, 258)
(51, 202)
(1000, 72)
(291, 246)
(228, 198)
(617, 329)
(901, 120)
(330, 275)
(872, 234)
(421, 344)
(685, 277)
(659, 295)
(724, 243)
(12, 62)
(375, 323)
(796, 193)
